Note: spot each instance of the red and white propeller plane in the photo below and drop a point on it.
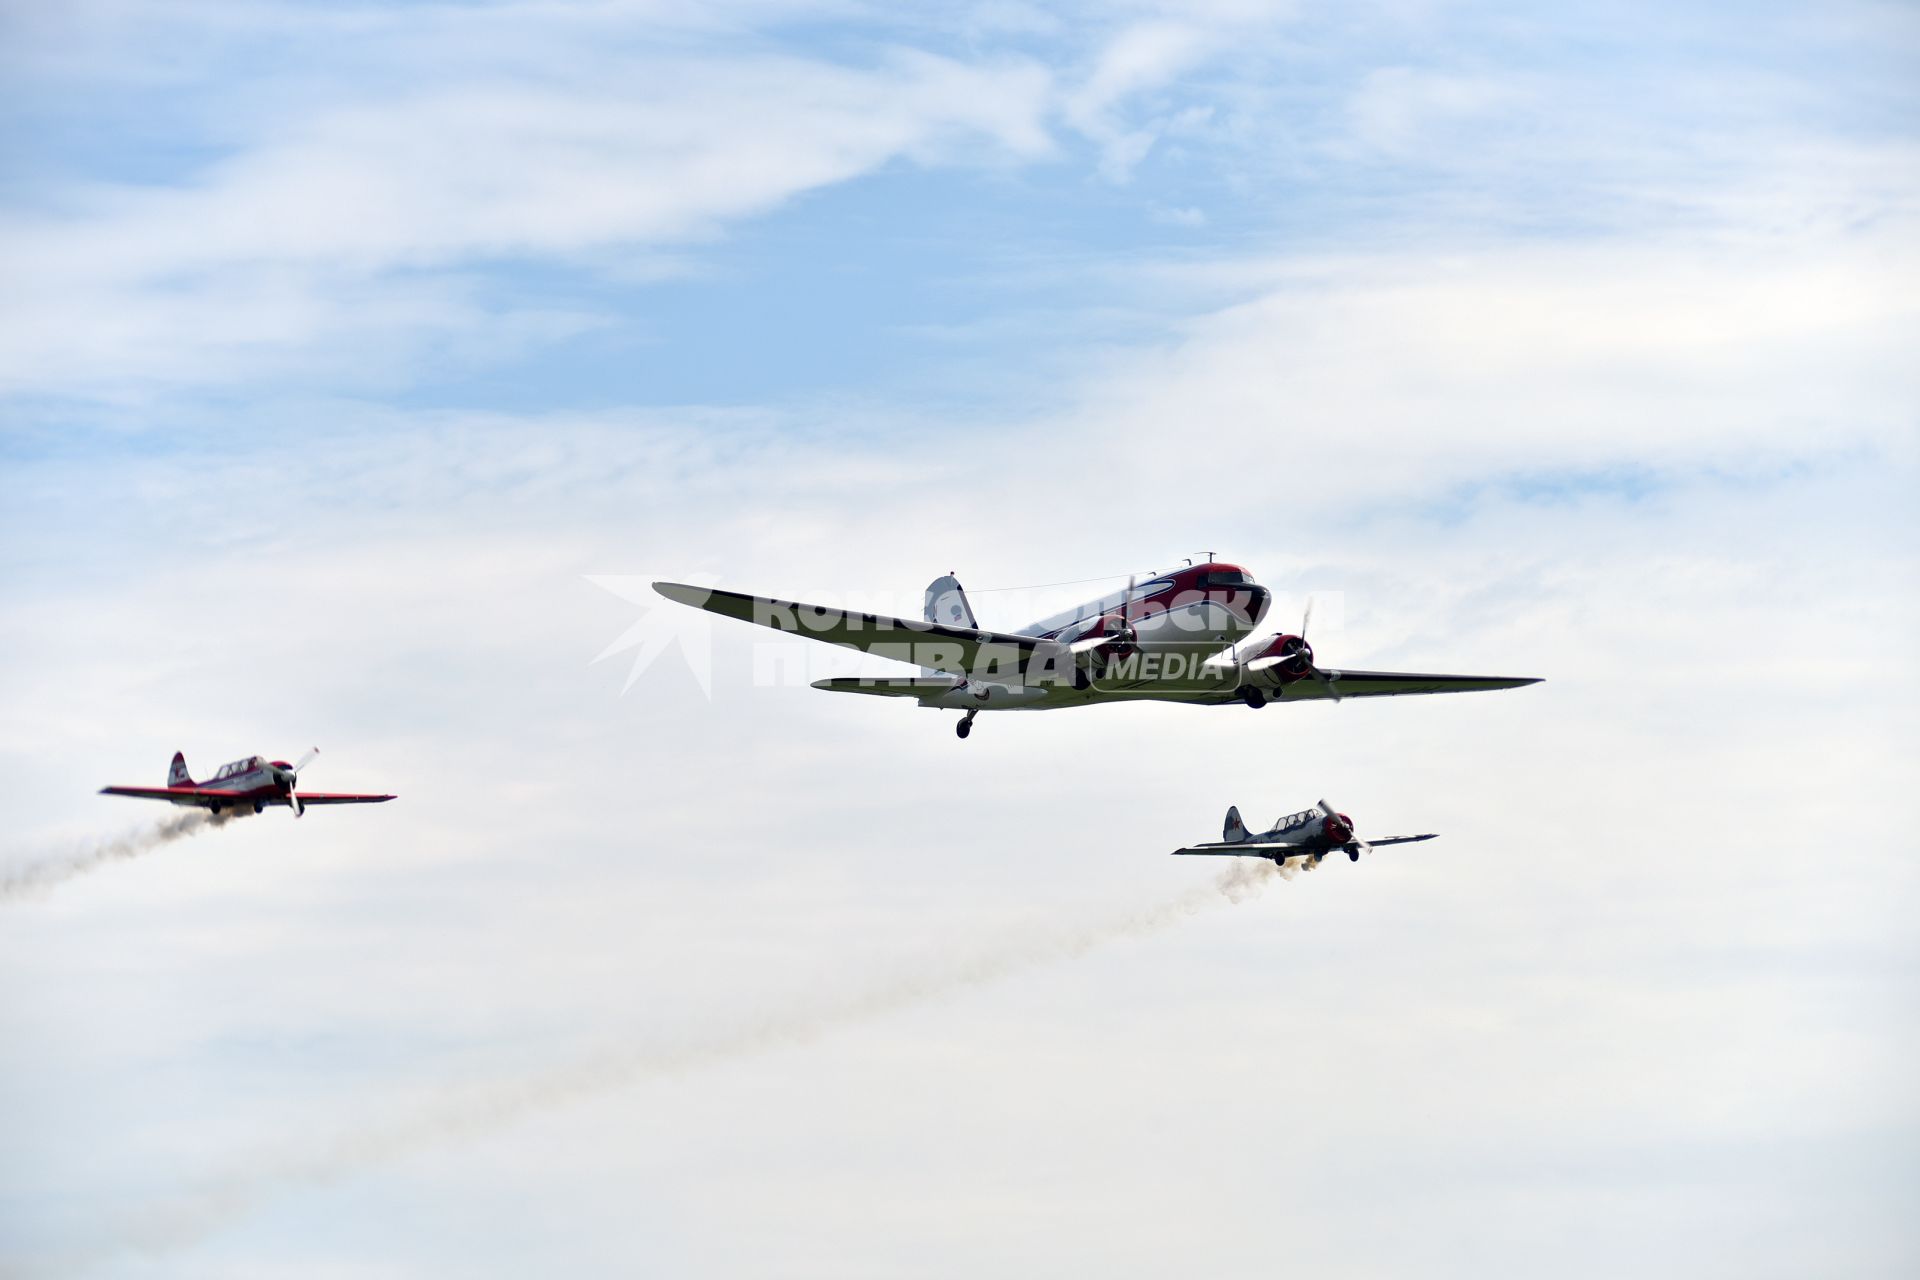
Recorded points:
(1312, 835)
(245, 786)
(1171, 638)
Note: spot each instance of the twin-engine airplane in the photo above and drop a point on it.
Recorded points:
(1311, 835)
(245, 786)
(1172, 638)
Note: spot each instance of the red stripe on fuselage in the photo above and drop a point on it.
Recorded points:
(1246, 600)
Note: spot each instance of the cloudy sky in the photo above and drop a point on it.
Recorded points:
(357, 359)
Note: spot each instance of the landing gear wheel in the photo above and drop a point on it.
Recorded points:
(1253, 697)
(965, 726)
(258, 806)
(1353, 855)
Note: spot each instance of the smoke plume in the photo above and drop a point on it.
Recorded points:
(38, 877)
(185, 1219)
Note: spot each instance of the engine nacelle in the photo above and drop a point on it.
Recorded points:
(1103, 640)
(1281, 660)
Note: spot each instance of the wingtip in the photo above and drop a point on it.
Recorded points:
(681, 593)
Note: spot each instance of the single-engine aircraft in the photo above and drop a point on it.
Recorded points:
(1312, 835)
(1171, 638)
(245, 786)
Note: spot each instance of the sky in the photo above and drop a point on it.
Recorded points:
(360, 363)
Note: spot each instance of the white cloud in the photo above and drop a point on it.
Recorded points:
(1403, 111)
(1179, 216)
(314, 235)
(568, 868)
(1139, 58)
(1404, 370)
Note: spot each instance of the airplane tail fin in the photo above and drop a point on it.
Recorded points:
(1235, 829)
(947, 603)
(178, 776)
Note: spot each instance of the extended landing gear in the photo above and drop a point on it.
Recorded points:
(259, 806)
(1353, 855)
(1255, 698)
(965, 726)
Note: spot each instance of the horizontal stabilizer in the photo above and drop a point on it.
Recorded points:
(922, 687)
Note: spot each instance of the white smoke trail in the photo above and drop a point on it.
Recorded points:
(184, 1220)
(39, 877)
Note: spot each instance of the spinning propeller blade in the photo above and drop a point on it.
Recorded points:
(1313, 668)
(293, 777)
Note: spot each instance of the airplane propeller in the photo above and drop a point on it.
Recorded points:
(1353, 844)
(1302, 651)
(292, 775)
(1098, 638)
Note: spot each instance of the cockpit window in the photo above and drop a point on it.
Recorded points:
(1223, 578)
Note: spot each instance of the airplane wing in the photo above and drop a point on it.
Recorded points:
(1246, 849)
(1250, 849)
(338, 797)
(1388, 684)
(964, 651)
(179, 795)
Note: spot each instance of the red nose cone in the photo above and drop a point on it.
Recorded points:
(1339, 828)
